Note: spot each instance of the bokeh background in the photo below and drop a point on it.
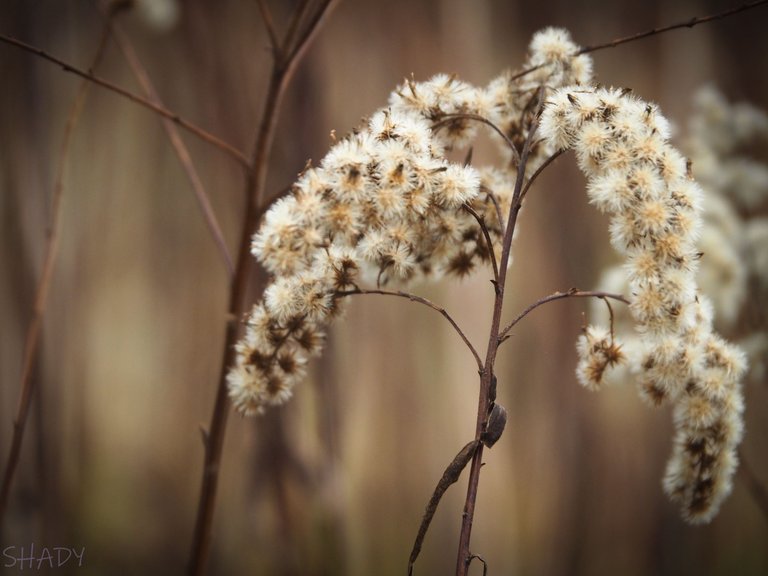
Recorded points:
(337, 480)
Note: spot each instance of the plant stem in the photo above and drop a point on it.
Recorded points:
(196, 130)
(283, 67)
(483, 404)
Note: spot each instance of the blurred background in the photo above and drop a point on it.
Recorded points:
(335, 482)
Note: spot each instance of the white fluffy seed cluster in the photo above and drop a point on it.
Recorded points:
(642, 182)
(385, 204)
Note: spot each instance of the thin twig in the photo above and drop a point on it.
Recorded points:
(269, 24)
(178, 145)
(448, 118)
(281, 74)
(420, 300)
(572, 293)
(538, 171)
(690, 23)
(450, 476)
(488, 241)
(497, 207)
(196, 130)
(31, 344)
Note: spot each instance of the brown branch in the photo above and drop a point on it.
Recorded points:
(31, 344)
(690, 23)
(269, 24)
(126, 47)
(448, 118)
(280, 76)
(572, 293)
(486, 374)
(420, 300)
(538, 171)
(196, 130)
(450, 476)
(488, 241)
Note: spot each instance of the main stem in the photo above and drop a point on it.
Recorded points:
(486, 375)
(214, 438)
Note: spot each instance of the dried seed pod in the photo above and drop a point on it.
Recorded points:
(495, 427)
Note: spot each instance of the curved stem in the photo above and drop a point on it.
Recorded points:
(420, 300)
(488, 241)
(448, 118)
(572, 293)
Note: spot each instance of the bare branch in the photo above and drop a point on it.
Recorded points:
(32, 340)
(690, 23)
(488, 241)
(420, 300)
(450, 476)
(538, 171)
(269, 24)
(572, 293)
(197, 131)
(448, 118)
(178, 146)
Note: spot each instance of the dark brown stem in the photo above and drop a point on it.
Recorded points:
(448, 118)
(197, 131)
(283, 68)
(420, 300)
(32, 340)
(689, 23)
(572, 293)
(538, 171)
(486, 374)
(178, 145)
(488, 241)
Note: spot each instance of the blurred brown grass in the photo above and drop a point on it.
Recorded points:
(132, 336)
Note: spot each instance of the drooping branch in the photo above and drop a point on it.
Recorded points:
(488, 241)
(448, 118)
(175, 118)
(420, 300)
(572, 293)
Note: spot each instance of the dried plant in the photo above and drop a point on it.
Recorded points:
(388, 205)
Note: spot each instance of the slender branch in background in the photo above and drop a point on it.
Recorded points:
(196, 130)
(756, 488)
(689, 23)
(572, 293)
(203, 199)
(283, 66)
(420, 300)
(269, 24)
(32, 341)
